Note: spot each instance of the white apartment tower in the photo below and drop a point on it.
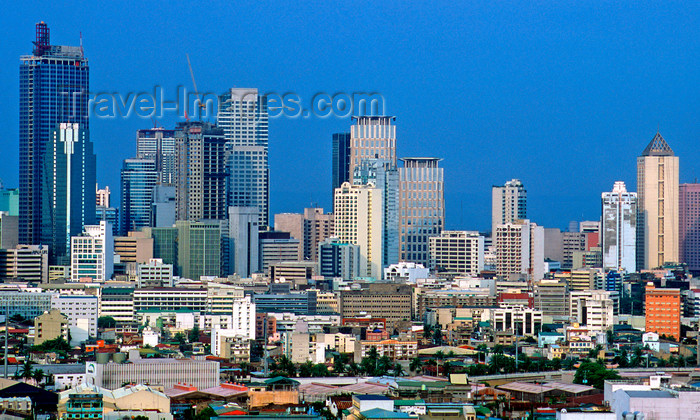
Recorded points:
(520, 250)
(92, 253)
(619, 236)
(658, 213)
(508, 203)
(359, 221)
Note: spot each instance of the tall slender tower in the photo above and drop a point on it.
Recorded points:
(619, 229)
(53, 89)
(340, 160)
(158, 145)
(508, 204)
(657, 193)
(421, 207)
(243, 117)
(138, 178)
(372, 138)
(69, 189)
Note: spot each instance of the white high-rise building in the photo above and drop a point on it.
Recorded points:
(359, 220)
(593, 308)
(508, 203)
(658, 212)
(155, 274)
(619, 229)
(92, 253)
(520, 250)
(457, 252)
(81, 311)
(243, 117)
(159, 145)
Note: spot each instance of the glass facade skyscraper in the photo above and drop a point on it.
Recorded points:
(138, 177)
(158, 145)
(341, 160)
(243, 117)
(53, 89)
(69, 189)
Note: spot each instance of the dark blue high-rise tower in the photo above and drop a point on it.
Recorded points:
(53, 89)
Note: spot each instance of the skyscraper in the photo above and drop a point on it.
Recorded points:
(310, 228)
(657, 193)
(359, 221)
(372, 137)
(92, 253)
(421, 207)
(201, 172)
(520, 250)
(53, 87)
(619, 228)
(243, 117)
(158, 145)
(508, 203)
(689, 225)
(138, 177)
(69, 189)
(341, 160)
(384, 175)
(244, 257)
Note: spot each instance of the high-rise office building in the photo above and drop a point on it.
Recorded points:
(103, 210)
(384, 175)
(311, 228)
(459, 253)
(9, 200)
(520, 250)
(9, 230)
(277, 247)
(69, 189)
(359, 220)
(138, 177)
(199, 248)
(421, 207)
(102, 196)
(243, 225)
(243, 117)
(201, 172)
(372, 137)
(662, 310)
(92, 253)
(53, 89)
(657, 195)
(163, 207)
(508, 203)
(689, 225)
(158, 145)
(338, 259)
(619, 229)
(340, 160)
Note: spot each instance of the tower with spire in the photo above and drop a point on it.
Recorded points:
(657, 195)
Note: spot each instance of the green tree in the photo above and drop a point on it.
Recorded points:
(415, 365)
(26, 371)
(205, 414)
(58, 345)
(594, 374)
(320, 370)
(193, 336)
(339, 363)
(305, 369)
(38, 375)
(106, 322)
(398, 369)
(287, 367)
(354, 369)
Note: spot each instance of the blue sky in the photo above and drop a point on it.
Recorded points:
(563, 95)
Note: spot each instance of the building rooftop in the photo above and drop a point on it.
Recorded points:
(654, 393)
(658, 147)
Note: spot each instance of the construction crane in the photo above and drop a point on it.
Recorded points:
(196, 91)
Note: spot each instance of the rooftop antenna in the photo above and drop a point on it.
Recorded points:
(194, 82)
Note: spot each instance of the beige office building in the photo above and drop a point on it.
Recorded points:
(457, 252)
(49, 326)
(657, 203)
(520, 250)
(372, 137)
(359, 220)
(311, 228)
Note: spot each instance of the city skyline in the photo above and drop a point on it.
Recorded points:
(516, 123)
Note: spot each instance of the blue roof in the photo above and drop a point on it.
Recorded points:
(655, 393)
(371, 397)
(378, 413)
